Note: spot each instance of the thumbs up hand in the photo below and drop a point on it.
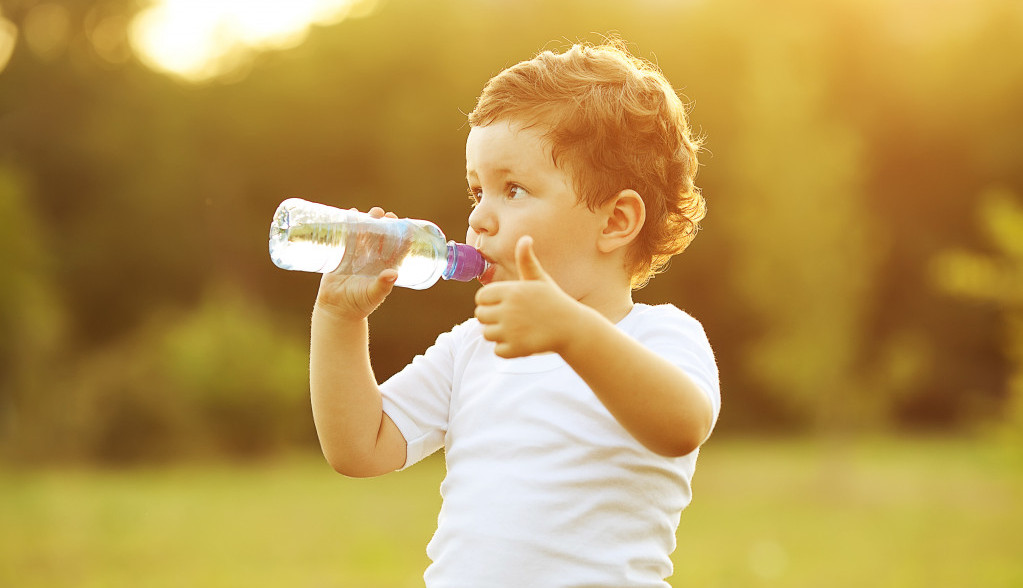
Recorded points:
(525, 316)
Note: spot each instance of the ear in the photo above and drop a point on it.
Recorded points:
(625, 214)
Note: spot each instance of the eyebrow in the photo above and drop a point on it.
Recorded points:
(503, 171)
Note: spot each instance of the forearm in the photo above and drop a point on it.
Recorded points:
(654, 400)
(346, 402)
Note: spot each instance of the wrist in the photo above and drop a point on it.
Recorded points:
(333, 313)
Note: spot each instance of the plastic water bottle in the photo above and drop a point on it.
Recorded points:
(311, 237)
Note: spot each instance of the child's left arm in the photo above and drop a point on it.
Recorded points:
(653, 399)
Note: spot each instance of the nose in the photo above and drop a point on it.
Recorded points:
(482, 219)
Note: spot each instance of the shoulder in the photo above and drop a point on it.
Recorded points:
(466, 330)
(445, 357)
(660, 311)
(673, 334)
(663, 319)
(463, 337)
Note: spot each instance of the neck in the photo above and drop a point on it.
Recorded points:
(612, 303)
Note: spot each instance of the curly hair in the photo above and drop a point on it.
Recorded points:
(615, 123)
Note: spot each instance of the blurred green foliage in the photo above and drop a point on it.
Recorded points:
(996, 278)
(220, 378)
(846, 144)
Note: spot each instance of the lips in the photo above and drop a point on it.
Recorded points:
(488, 275)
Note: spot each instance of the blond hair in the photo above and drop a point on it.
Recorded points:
(616, 123)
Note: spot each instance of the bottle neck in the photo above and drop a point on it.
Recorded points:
(464, 263)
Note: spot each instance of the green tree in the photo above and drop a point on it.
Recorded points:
(222, 379)
(805, 245)
(31, 317)
(995, 277)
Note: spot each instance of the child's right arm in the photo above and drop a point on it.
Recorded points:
(356, 436)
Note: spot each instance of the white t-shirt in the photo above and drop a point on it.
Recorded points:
(544, 488)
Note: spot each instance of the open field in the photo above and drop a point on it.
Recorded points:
(793, 514)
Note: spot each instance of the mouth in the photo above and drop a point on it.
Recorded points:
(488, 274)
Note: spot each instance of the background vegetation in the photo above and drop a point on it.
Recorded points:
(859, 268)
(860, 271)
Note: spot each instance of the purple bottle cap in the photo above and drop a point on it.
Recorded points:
(465, 263)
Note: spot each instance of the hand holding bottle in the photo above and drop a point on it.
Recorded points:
(355, 297)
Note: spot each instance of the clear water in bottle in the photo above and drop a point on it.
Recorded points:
(307, 237)
(415, 248)
(314, 237)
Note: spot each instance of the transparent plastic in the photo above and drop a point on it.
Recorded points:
(311, 237)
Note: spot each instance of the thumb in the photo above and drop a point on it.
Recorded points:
(525, 259)
(381, 287)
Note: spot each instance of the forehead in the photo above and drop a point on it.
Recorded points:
(507, 145)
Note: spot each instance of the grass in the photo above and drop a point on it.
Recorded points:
(935, 513)
(793, 514)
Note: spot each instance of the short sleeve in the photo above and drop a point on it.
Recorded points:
(418, 397)
(681, 339)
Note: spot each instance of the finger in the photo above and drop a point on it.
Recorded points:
(525, 259)
(382, 286)
(508, 351)
(492, 333)
(376, 212)
(486, 314)
(492, 293)
(487, 295)
(391, 215)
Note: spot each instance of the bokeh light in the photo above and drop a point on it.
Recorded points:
(8, 38)
(199, 40)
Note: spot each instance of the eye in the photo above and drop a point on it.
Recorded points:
(514, 192)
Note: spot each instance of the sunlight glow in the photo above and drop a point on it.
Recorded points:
(8, 38)
(198, 40)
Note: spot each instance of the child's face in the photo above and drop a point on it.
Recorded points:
(519, 191)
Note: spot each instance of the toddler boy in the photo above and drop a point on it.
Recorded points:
(571, 417)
